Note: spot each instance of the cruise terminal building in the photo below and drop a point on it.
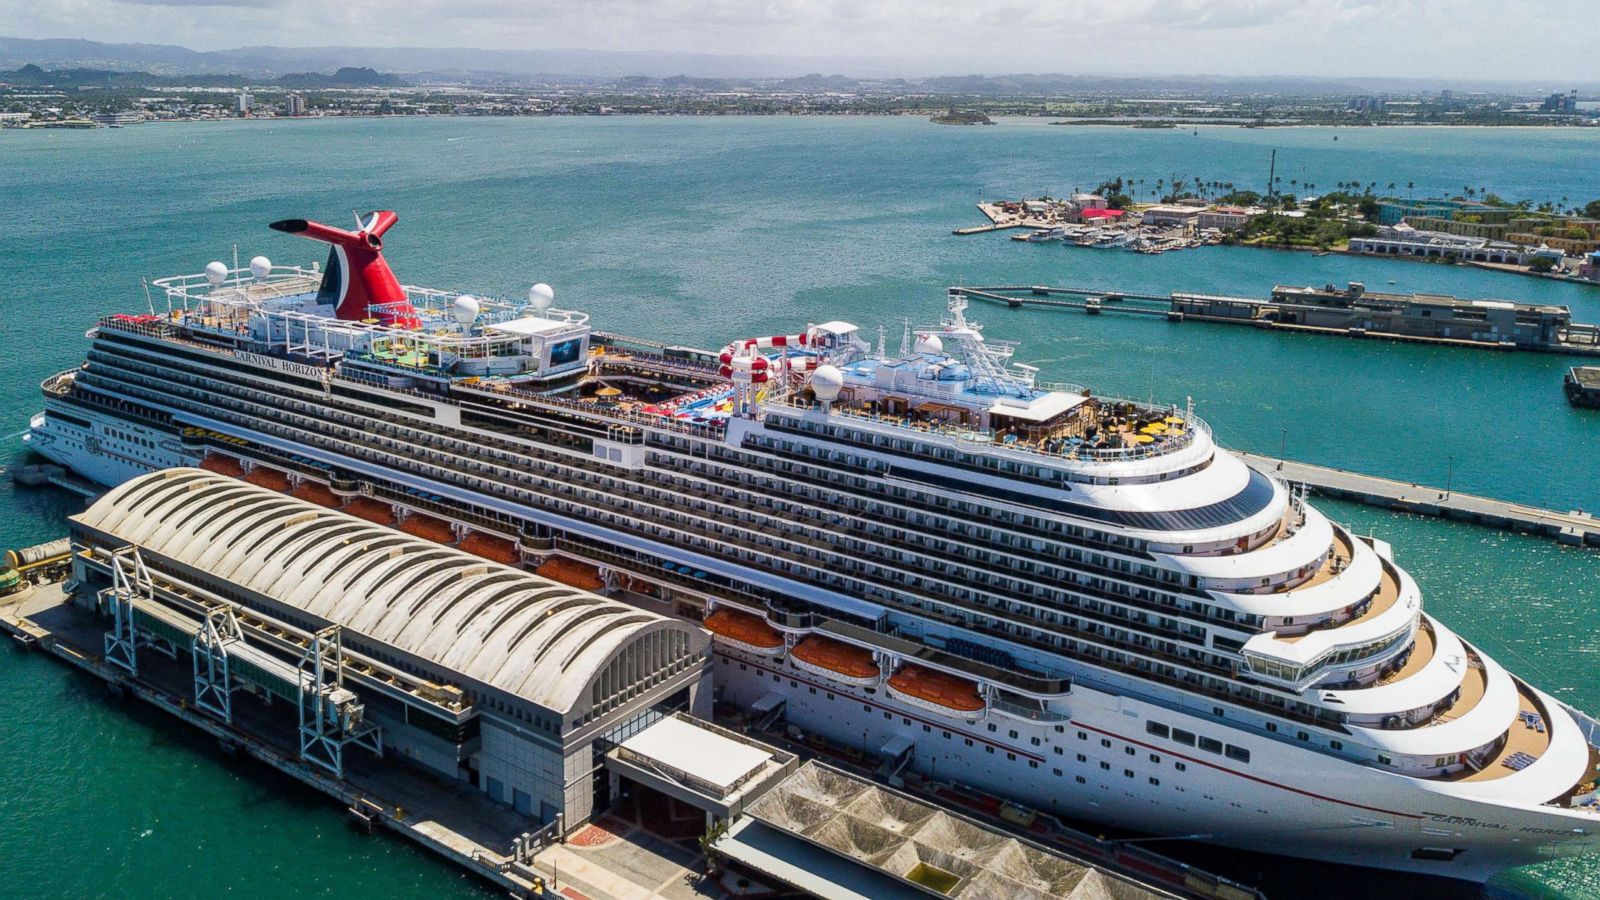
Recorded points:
(388, 643)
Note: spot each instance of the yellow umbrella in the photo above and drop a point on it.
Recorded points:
(1145, 439)
(608, 392)
(1174, 420)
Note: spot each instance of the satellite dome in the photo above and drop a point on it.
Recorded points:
(466, 308)
(929, 343)
(540, 296)
(826, 382)
(260, 267)
(216, 273)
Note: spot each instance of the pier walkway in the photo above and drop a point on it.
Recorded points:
(1575, 528)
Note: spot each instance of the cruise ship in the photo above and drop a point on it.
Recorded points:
(931, 555)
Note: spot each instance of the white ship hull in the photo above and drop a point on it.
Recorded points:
(1356, 815)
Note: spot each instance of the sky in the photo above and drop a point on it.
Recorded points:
(1506, 39)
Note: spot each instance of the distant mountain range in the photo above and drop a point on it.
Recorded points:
(347, 77)
(682, 70)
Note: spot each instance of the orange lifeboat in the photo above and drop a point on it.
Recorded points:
(428, 527)
(744, 631)
(318, 493)
(489, 547)
(571, 572)
(375, 511)
(940, 692)
(222, 465)
(836, 659)
(269, 478)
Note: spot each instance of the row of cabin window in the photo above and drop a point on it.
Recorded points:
(1210, 745)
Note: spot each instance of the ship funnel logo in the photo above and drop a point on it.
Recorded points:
(358, 282)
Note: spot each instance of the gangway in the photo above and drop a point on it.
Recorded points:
(331, 716)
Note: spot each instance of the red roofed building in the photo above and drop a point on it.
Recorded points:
(1099, 215)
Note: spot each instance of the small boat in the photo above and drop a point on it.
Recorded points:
(1092, 306)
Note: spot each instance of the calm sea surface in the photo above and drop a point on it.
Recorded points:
(698, 230)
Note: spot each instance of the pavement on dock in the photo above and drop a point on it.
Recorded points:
(1574, 527)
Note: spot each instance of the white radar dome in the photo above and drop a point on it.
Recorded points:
(466, 308)
(826, 382)
(929, 343)
(540, 296)
(260, 267)
(216, 273)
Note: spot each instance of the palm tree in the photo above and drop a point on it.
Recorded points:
(1410, 185)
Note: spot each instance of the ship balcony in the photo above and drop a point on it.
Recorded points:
(744, 631)
(791, 621)
(836, 660)
(937, 692)
(59, 384)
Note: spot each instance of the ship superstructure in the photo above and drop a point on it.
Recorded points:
(1077, 600)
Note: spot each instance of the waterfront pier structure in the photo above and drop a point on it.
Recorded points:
(1574, 528)
(1351, 311)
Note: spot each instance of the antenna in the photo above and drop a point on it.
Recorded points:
(236, 258)
(147, 301)
(881, 344)
(905, 340)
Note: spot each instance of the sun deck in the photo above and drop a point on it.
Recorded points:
(1528, 736)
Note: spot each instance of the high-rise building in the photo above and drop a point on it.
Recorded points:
(294, 105)
(246, 102)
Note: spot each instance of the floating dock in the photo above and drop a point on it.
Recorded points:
(1574, 528)
(1349, 312)
(1582, 385)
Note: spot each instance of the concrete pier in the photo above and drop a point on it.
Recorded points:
(1574, 528)
(1576, 338)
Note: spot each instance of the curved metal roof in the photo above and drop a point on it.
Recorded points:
(538, 639)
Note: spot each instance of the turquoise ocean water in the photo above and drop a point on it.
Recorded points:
(698, 230)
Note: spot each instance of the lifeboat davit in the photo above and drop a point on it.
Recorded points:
(836, 660)
(222, 465)
(428, 528)
(318, 493)
(939, 692)
(490, 547)
(268, 477)
(375, 511)
(571, 573)
(745, 631)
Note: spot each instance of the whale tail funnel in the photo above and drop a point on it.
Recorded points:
(357, 280)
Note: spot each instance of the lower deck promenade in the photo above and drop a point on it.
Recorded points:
(1575, 528)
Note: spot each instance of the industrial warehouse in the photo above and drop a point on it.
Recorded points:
(511, 682)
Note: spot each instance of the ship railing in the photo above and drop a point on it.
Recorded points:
(240, 286)
(59, 384)
(1032, 712)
